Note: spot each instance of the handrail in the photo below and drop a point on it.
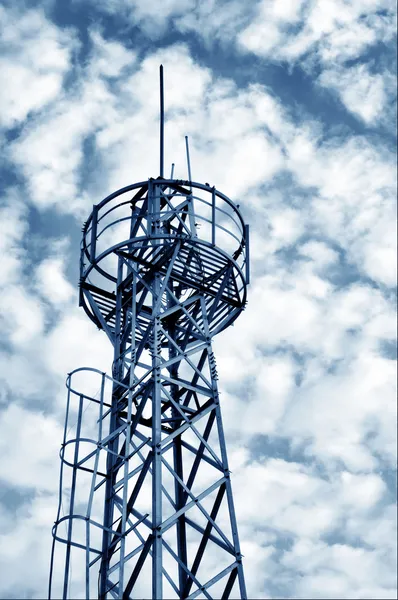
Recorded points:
(172, 184)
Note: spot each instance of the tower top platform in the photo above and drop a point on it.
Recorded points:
(162, 224)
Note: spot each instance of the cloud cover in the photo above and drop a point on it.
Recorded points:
(307, 373)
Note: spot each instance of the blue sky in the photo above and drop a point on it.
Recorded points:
(290, 106)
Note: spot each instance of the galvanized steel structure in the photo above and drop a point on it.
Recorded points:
(147, 508)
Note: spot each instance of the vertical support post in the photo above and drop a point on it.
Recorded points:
(81, 260)
(247, 254)
(213, 216)
(149, 216)
(157, 450)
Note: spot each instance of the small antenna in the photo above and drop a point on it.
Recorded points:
(161, 122)
(188, 161)
(172, 171)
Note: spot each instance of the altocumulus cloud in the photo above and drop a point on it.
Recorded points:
(290, 110)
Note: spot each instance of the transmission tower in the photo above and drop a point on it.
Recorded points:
(146, 507)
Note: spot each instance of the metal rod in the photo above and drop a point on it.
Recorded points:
(247, 248)
(188, 159)
(93, 233)
(161, 122)
(213, 216)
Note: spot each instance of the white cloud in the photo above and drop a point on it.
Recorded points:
(269, 28)
(74, 342)
(109, 57)
(51, 282)
(340, 570)
(362, 93)
(334, 29)
(25, 548)
(272, 388)
(355, 203)
(293, 488)
(21, 315)
(36, 55)
(40, 437)
(339, 411)
(35, 384)
(50, 161)
(325, 36)
(50, 151)
(320, 253)
(151, 16)
(13, 226)
(301, 507)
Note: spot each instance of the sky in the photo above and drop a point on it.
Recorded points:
(290, 109)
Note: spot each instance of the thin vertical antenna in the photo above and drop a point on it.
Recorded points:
(172, 171)
(188, 161)
(161, 122)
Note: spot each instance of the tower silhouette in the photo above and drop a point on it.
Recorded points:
(146, 507)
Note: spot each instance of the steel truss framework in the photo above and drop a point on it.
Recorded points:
(157, 504)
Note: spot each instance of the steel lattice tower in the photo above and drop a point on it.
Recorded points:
(149, 506)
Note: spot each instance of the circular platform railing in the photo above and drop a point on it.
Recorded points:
(147, 220)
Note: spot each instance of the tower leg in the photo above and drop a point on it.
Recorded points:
(157, 453)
